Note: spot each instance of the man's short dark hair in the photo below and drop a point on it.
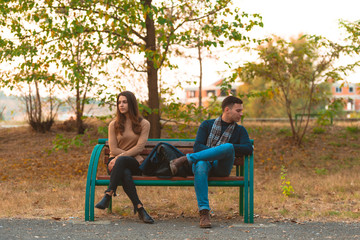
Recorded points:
(229, 101)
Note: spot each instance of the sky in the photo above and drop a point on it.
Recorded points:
(288, 18)
(291, 17)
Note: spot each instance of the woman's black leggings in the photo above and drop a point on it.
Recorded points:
(125, 167)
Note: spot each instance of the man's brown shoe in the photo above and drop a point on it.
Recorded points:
(205, 219)
(177, 163)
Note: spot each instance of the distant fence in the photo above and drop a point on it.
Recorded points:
(287, 120)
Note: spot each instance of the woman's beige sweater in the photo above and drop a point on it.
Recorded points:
(128, 144)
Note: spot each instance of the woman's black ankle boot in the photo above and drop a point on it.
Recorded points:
(104, 203)
(144, 216)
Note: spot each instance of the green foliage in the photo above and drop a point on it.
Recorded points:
(285, 131)
(354, 115)
(352, 47)
(318, 130)
(284, 211)
(321, 171)
(326, 116)
(353, 129)
(333, 213)
(187, 118)
(287, 189)
(338, 144)
(63, 143)
(324, 119)
(290, 74)
(80, 38)
(259, 100)
(103, 130)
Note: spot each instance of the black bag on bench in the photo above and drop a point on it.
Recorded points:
(158, 162)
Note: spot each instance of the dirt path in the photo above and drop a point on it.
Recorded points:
(173, 229)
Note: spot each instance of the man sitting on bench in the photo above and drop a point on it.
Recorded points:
(216, 144)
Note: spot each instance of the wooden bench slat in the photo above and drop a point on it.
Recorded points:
(185, 144)
(146, 152)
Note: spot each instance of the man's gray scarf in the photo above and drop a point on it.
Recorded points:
(215, 138)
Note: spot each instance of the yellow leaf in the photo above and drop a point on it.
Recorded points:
(271, 95)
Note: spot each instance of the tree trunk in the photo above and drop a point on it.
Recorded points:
(38, 104)
(200, 77)
(79, 113)
(154, 117)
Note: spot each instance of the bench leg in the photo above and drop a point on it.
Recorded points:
(87, 197)
(95, 158)
(246, 190)
(90, 181)
(246, 204)
(251, 203)
(251, 190)
(241, 201)
(109, 210)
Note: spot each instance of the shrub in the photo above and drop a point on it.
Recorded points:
(318, 130)
(353, 129)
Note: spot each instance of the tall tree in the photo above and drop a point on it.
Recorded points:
(141, 33)
(259, 100)
(31, 76)
(294, 70)
(77, 54)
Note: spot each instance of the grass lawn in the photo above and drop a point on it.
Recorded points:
(324, 173)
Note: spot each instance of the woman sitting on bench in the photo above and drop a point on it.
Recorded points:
(128, 134)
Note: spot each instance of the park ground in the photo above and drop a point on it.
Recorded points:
(324, 173)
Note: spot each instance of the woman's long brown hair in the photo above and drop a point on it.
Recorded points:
(133, 111)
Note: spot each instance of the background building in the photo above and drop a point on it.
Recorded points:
(192, 93)
(350, 93)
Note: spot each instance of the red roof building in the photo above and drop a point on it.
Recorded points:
(350, 93)
(192, 93)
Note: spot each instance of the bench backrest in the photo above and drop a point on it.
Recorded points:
(184, 145)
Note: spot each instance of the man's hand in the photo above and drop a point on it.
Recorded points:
(111, 164)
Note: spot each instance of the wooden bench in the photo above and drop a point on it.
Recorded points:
(244, 177)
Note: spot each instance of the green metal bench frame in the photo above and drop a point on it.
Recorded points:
(245, 182)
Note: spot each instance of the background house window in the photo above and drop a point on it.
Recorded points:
(191, 94)
(351, 89)
(226, 93)
(350, 104)
(338, 89)
(210, 93)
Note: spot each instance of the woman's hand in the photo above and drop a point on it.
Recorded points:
(111, 164)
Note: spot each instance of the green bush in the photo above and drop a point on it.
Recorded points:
(318, 130)
(353, 129)
(321, 171)
(286, 187)
(285, 131)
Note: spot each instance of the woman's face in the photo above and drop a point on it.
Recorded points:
(123, 105)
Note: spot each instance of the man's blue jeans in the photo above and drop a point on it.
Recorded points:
(217, 161)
